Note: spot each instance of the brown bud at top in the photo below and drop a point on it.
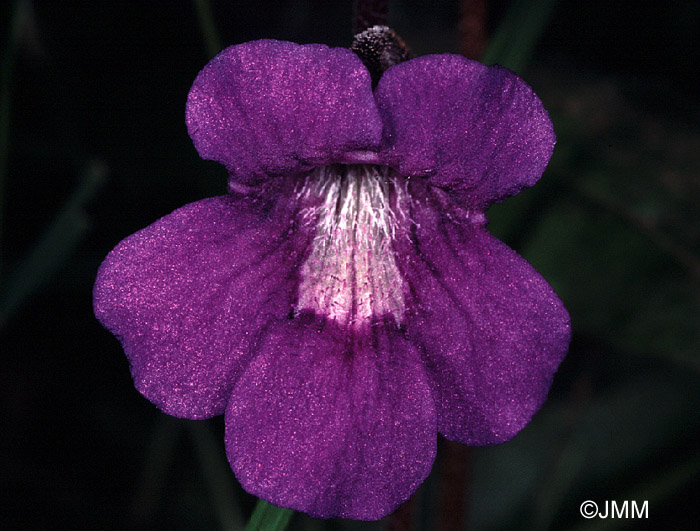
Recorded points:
(379, 47)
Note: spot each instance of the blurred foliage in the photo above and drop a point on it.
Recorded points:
(95, 148)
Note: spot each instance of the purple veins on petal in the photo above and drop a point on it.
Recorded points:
(491, 329)
(179, 295)
(332, 421)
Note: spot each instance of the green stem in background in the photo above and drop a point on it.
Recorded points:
(684, 256)
(159, 453)
(17, 22)
(512, 46)
(206, 24)
(216, 474)
(56, 245)
(267, 517)
(514, 42)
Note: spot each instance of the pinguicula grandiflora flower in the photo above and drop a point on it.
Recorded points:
(344, 303)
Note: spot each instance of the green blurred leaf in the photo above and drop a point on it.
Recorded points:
(572, 449)
(267, 517)
(17, 22)
(514, 42)
(55, 246)
(208, 27)
(217, 473)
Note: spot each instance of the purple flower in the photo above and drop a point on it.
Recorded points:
(344, 303)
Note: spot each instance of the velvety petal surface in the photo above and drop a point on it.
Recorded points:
(266, 108)
(332, 422)
(188, 294)
(492, 330)
(477, 130)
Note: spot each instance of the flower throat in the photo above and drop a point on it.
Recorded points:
(350, 274)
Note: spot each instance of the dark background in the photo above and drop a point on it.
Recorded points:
(93, 147)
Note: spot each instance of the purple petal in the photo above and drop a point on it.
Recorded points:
(266, 108)
(471, 128)
(187, 295)
(492, 330)
(332, 422)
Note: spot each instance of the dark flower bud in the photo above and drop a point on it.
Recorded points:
(379, 47)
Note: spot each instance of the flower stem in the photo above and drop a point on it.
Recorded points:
(7, 64)
(55, 246)
(208, 27)
(472, 28)
(454, 485)
(217, 474)
(267, 517)
(402, 519)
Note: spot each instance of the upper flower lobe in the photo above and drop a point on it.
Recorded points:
(351, 304)
(477, 131)
(270, 108)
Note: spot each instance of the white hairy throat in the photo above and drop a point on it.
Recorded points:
(350, 274)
